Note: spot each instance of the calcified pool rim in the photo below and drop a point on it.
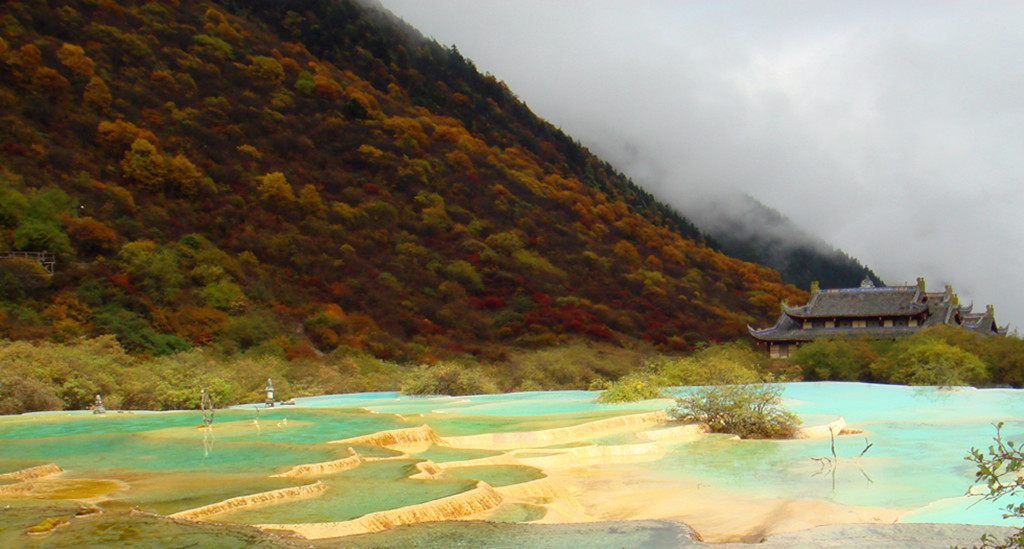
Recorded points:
(884, 413)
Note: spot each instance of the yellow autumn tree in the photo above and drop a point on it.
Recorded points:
(74, 58)
(309, 200)
(97, 94)
(184, 178)
(275, 189)
(144, 165)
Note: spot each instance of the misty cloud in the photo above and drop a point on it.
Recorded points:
(892, 131)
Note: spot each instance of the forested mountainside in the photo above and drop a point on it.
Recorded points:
(305, 176)
(750, 231)
(745, 228)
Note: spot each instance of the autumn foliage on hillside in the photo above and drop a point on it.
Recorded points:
(212, 178)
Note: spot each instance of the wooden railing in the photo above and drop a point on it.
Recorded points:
(46, 259)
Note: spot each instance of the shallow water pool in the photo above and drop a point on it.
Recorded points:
(918, 438)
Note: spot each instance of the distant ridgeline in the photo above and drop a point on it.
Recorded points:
(743, 227)
(869, 311)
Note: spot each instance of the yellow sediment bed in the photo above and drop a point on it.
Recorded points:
(478, 500)
(508, 441)
(24, 478)
(530, 448)
(622, 453)
(688, 431)
(429, 469)
(328, 467)
(395, 437)
(262, 498)
(31, 473)
(548, 437)
(482, 500)
(835, 427)
(540, 488)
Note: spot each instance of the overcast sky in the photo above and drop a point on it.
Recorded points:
(895, 131)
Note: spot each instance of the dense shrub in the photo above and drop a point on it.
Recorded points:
(940, 355)
(837, 359)
(631, 388)
(447, 378)
(20, 394)
(572, 366)
(53, 376)
(726, 363)
(749, 411)
(926, 362)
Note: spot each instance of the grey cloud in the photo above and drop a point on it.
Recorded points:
(892, 130)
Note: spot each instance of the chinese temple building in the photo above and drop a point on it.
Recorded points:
(869, 311)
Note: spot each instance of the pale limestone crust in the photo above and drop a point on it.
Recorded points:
(482, 498)
(262, 498)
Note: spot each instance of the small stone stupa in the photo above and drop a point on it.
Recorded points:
(97, 405)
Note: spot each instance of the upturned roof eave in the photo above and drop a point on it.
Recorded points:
(917, 311)
(792, 336)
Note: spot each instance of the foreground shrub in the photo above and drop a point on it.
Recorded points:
(749, 411)
(447, 378)
(1000, 471)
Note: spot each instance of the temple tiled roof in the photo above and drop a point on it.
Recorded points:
(863, 302)
(983, 323)
(909, 305)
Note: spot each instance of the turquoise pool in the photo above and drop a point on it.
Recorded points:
(918, 436)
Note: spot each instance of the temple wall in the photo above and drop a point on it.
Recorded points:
(271, 497)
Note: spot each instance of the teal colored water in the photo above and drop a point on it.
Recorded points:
(496, 475)
(371, 487)
(439, 454)
(306, 426)
(918, 438)
(457, 424)
(170, 441)
(530, 403)
(518, 512)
